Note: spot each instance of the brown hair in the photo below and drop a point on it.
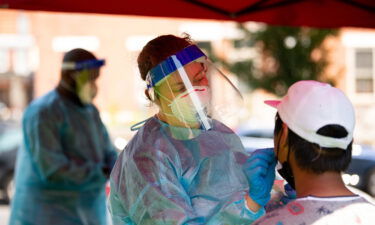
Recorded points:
(158, 49)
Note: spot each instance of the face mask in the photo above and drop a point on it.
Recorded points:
(286, 172)
(183, 107)
(85, 89)
(284, 168)
(86, 93)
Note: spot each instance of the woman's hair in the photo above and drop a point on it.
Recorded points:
(159, 49)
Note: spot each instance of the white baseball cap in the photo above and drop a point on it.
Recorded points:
(310, 105)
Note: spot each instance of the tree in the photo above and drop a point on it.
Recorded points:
(285, 55)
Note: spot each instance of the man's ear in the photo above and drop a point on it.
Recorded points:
(283, 143)
(284, 134)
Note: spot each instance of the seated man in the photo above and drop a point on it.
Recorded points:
(313, 139)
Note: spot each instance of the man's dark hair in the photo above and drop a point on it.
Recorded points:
(311, 156)
(78, 54)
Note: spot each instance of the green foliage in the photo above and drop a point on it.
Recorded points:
(284, 57)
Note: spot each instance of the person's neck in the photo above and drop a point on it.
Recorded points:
(68, 94)
(173, 121)
(327, 184)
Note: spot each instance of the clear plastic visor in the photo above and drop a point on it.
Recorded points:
(191, 92)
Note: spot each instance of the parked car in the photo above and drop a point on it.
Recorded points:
(361, 171)
(10, 140)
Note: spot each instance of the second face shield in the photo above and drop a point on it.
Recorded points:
(190, 91)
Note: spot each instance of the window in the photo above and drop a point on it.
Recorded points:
(364, 70)
(261, 133)
(21, 65)
(67, 43)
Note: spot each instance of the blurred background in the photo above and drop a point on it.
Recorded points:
(261, 60)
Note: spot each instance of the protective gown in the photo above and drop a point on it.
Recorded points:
(60, 175)
(159, 179)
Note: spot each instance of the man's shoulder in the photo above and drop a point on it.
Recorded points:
(293, 209)
(41, 106)
(309, 209)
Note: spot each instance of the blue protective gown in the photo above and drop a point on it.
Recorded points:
(59, 172)
(159, 179)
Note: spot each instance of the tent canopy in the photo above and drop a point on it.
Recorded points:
(315, 13)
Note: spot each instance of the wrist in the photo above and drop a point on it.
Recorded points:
(251, 204)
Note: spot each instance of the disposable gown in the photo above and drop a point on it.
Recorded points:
(59, 172)
(159, 179)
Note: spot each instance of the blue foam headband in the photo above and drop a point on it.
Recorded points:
(86, 64)
(89, 64)
(166, 67)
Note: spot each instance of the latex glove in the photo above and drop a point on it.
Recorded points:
(259, 169)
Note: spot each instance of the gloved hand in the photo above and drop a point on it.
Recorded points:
(259, 169)
(290, 194)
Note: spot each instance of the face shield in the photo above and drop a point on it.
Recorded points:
(190, 91)
(85, 73)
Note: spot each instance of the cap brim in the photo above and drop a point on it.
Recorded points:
(272, 103)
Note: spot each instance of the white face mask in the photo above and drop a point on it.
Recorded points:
(85, 87)
(86, 93)
(183, 107)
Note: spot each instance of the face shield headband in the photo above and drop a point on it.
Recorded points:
(83, 65)
(173, 63)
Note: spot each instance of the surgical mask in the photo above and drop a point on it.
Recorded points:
(85, 88)
(86, 93)
(183, 107)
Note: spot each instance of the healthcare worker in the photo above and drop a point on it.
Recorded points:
(183, 166)
(67, 155)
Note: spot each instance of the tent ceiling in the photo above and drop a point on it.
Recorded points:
(316, 13)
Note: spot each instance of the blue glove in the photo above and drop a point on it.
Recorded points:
(260, 173)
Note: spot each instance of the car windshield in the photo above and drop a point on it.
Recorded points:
(257, 133)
